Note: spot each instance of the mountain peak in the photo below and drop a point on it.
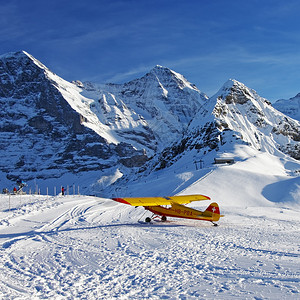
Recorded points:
(159, 67)
(232, 84)
(164, 75)
(160, 70)
(16, 54)
(22, 57)
(234, 91)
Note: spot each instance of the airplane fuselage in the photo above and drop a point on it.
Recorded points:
(181, 211)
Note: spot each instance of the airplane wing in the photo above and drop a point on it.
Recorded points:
(155, 201)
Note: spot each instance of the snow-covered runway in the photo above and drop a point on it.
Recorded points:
(79, 247)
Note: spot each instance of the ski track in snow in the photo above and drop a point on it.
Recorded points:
(79, 247)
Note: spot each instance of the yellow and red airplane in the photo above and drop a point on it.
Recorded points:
(174, 207)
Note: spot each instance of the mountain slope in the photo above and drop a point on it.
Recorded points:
(237, 115)
(47, 128)
(151, 111)
(57, 132)
(235, 123)
(50, 127)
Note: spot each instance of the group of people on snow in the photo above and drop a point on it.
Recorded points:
(22, 184)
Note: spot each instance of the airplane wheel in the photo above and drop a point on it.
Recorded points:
(164, 218)
(148, 220)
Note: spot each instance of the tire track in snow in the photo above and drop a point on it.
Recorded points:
(100, 251)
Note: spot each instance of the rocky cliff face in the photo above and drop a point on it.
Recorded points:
(150, 112)
(41, 135)
(236, 115)
(50, 127)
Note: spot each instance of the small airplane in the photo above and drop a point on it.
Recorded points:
(176, 209)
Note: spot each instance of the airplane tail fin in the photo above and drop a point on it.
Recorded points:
(213, 211)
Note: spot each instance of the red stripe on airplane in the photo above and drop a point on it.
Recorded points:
(121, 200)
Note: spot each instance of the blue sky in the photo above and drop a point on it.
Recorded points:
(208, 41)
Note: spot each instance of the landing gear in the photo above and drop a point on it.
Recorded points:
(215, 224)
(162, 218)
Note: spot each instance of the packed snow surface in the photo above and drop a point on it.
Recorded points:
(83, 247)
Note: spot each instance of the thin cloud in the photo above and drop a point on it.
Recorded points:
(129, 75)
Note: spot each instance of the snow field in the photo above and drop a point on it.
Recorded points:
(80, 247)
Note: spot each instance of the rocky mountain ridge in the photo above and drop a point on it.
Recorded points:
(52, 129)
(150, 111)
(42, 136)
(235, 115)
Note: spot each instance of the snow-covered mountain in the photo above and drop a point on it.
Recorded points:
(50, 127)
(47, 128)
(55, 131)
(240, 113)
(235, 123)
(290, 107)
(237, 115)
(150, 112)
